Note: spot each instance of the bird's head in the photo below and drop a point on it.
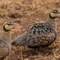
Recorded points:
(8, 26)
(54, 14)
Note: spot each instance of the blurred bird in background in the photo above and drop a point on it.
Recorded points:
(5, 37)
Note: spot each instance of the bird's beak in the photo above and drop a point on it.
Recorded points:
(13, 24)
(58, 14)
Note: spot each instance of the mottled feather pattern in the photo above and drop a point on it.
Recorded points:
(3, 49)
(4, 44)
(40, 34)
(1, 44)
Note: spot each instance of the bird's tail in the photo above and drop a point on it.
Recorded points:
(20, 40)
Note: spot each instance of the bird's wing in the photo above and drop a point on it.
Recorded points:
(38, 35)
(3, 43)
(3, 48)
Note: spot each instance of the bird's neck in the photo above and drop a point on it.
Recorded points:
(6, 35)
(52, 22)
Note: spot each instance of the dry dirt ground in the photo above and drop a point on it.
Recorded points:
(25, 13)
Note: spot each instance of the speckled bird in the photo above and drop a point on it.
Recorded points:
(5, 37)
(40, 34)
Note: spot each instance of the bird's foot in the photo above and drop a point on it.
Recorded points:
(40, 53)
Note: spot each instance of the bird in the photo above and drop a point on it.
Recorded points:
(40, 34)
(5, 37)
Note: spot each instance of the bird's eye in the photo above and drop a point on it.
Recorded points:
(54, 12)
(9, 24)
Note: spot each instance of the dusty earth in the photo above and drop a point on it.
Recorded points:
(25, 13)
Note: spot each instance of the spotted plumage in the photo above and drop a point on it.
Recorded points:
(40, 34)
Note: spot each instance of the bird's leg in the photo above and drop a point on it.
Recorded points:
(45, 50)
(40, 50)
(21, 54)
(37, 50)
